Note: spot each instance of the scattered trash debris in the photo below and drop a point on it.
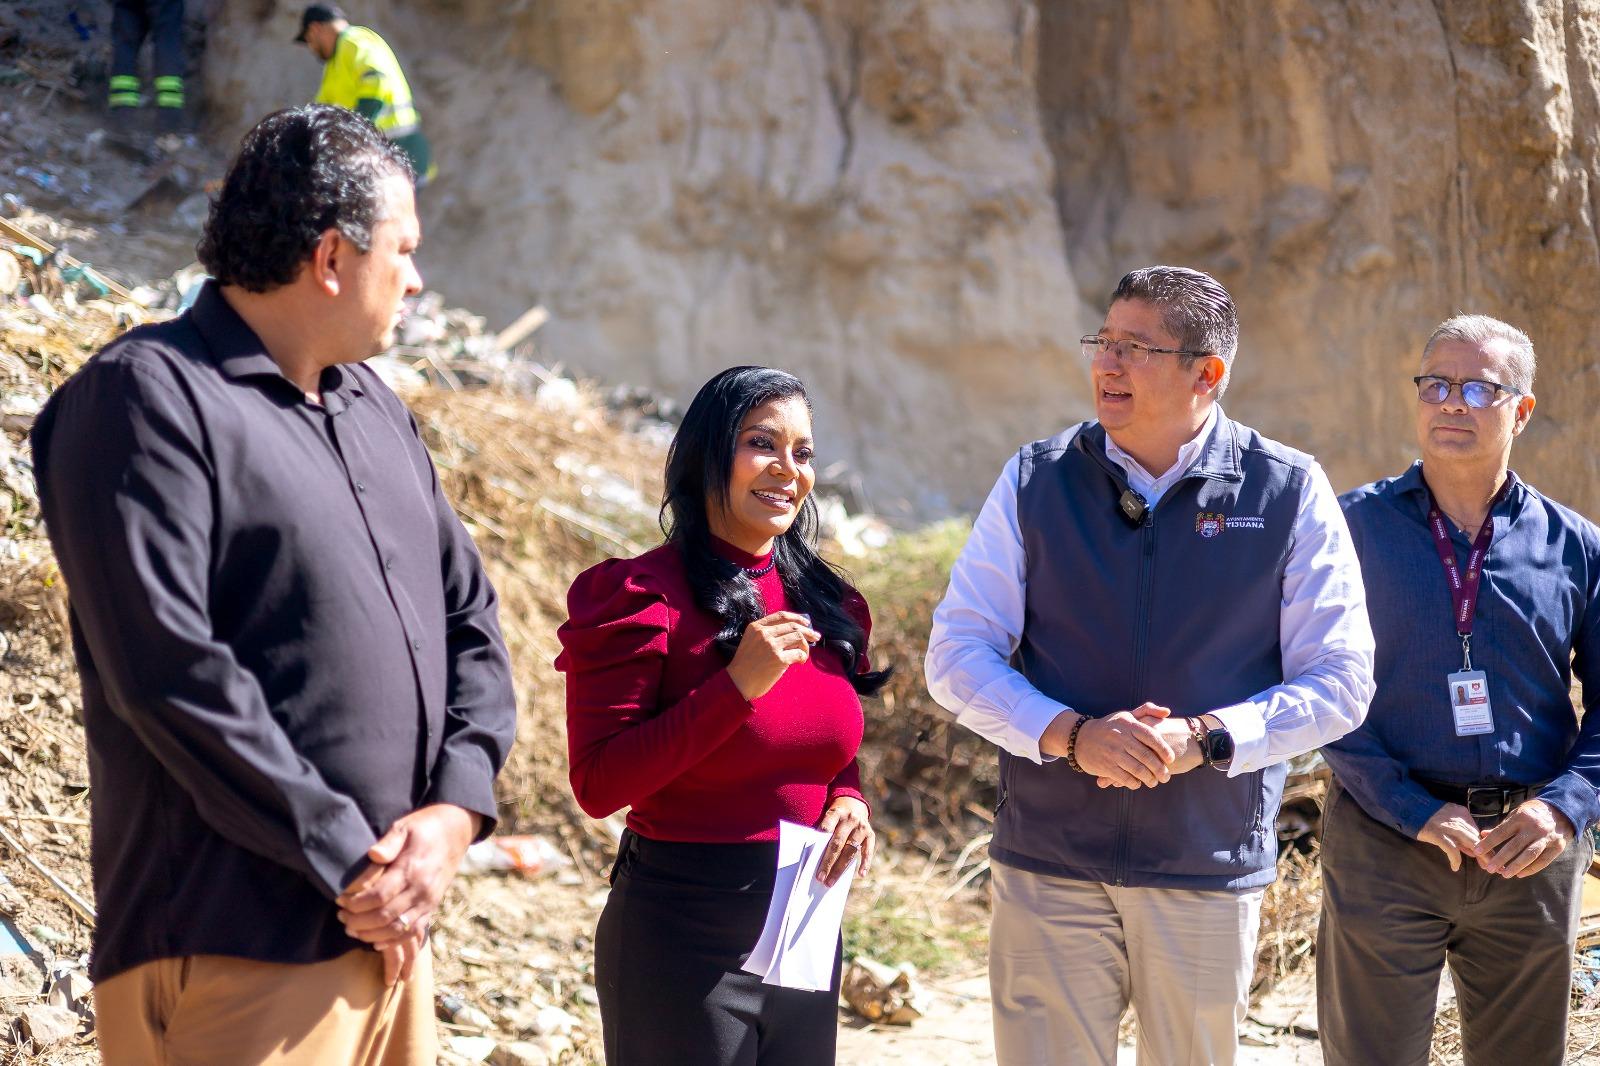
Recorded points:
(42, 248)
(472, 1048)
(522, 1053)
(882, 993)
(554, 1020)
(530, 855)
(464, 1015)
(558, 394)
(49, 935)
(45, 180)
(1586, 971)
(70, 987)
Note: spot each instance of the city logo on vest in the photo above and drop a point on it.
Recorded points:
(1209, 524)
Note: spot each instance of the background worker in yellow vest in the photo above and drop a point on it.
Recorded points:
(132, 21)
(360, 72)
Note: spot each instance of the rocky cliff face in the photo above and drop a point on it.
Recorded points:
(1354, 173)
(917, 205)
(858, 192)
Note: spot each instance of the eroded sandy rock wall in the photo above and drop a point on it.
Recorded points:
(859, 192)
(1354, 173)
(919, 204)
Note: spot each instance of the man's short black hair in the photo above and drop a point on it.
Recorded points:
(298, 174)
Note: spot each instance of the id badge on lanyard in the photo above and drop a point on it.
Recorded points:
(1469, 688)
(1469, 703)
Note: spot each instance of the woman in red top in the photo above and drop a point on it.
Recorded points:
(713, 686)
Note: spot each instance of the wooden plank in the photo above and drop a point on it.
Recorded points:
(523, 328)
(22, 236)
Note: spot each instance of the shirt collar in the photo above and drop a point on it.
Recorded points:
(1205, 440)
(239, 353)
(1411, 483)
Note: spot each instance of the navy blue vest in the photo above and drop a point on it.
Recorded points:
(1181, 610)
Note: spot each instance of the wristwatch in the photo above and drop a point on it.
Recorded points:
(1216, 746)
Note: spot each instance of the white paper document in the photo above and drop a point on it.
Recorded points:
(797, 945)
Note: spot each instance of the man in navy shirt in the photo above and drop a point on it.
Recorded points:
(1454, 831)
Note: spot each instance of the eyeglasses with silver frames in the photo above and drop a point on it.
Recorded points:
(1131, 353)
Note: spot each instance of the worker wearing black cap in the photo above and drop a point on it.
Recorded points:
(361, 72)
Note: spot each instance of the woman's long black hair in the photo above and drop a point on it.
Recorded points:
(699, 468)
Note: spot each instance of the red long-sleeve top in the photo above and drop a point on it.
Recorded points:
(654, 720)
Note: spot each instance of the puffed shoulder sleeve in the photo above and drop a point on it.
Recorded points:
(616, 613)
(622, 743)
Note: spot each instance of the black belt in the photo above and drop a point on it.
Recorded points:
(1481, 801)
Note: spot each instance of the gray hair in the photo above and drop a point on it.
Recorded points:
(1194, 307)
(1479, 330)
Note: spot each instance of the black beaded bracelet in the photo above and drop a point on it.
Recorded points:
(1072, 743)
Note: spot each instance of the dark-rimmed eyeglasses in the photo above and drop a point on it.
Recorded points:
(1431, 388)
(1131, 353)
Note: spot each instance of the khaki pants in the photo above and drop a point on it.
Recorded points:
(208, 1009)
(1067, 958)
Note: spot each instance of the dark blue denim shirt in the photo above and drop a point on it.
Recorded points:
(1537, 624)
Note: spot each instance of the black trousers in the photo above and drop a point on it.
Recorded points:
(1393, 914)
(680, 920)
(134, 20)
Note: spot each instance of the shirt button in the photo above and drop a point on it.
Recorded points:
(416, 645)
(361, 486)
(388, 564)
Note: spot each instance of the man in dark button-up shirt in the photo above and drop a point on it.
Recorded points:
(296, 694)
(1455, 829)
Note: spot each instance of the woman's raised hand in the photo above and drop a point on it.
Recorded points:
(770, 646)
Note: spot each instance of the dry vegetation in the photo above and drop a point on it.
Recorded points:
(547, 493)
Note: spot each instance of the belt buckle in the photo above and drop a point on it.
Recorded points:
(1493, 801)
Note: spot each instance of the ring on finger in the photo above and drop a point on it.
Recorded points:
(404, 922)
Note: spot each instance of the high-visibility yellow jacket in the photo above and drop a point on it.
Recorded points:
(364, 76)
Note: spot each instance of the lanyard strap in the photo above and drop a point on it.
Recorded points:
(1464, 587)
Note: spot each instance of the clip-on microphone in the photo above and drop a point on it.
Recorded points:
(1133, 507)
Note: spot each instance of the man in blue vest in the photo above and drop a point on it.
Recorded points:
(1154, 611)
(1455, 828)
